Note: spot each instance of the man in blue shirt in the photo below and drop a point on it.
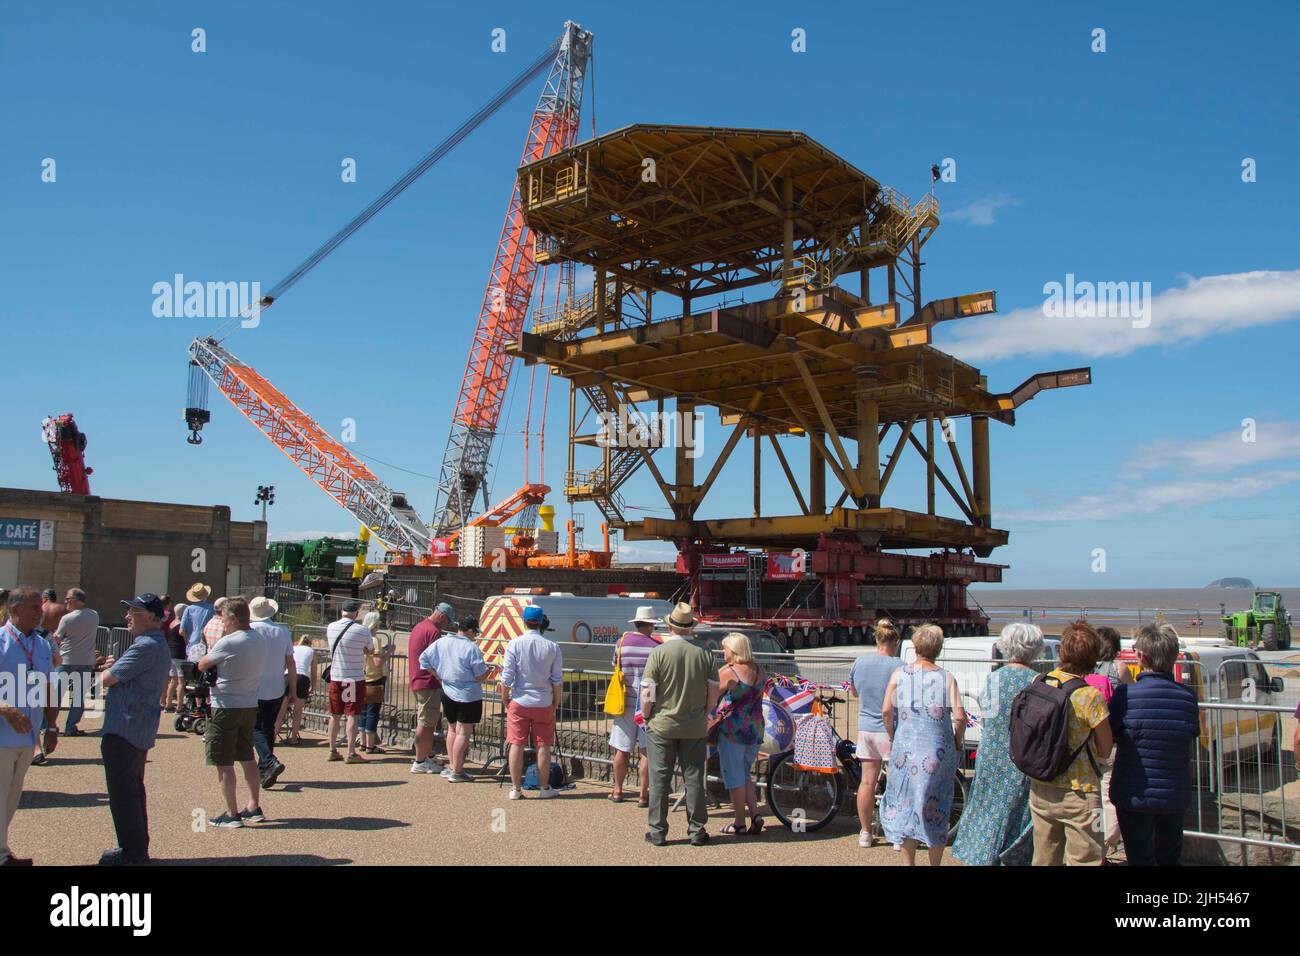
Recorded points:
(458, 664)
(26, 682)
(197, 613)
(135, 683)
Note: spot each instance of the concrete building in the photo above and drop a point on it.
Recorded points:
(113, 549)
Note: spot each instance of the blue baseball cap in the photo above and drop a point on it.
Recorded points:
(533, 614)
(147, 602)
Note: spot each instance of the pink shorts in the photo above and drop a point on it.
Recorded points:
(873, 746)
(521, 721)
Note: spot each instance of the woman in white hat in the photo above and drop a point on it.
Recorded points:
(630, 654)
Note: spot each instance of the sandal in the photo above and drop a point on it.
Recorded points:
(643, 804)
(616, 797)
(731, 829)
(756, 826)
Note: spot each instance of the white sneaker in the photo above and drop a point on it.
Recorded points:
(547, 793)
(864, 839)
(516, 794)
(446, 772)
(423, 766)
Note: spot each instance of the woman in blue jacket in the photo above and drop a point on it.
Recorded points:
(1155, 720)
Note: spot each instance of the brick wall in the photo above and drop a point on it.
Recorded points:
(97, 542)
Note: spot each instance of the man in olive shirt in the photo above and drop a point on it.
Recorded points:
(678, 691)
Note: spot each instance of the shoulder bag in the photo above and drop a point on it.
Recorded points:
(616, 693)
(325, 675)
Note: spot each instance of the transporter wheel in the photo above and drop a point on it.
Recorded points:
(179, 723)
(200, 724)
(855, 636)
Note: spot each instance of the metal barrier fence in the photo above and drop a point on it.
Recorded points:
(1243, 782)
(111, 641)
(1246, 800)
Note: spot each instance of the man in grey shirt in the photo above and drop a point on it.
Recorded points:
(238, 657)
(75, 637)
(279, 678)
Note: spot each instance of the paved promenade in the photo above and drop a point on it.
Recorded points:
(333, 814)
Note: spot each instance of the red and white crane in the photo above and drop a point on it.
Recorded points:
(324, 460)
(67, 446)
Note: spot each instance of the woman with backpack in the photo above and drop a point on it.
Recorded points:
(926, 721)
(739, 727)
(1066, 807)
(996, 828)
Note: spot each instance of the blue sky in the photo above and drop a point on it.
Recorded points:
(1115, 166)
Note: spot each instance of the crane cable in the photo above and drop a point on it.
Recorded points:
(393, 191)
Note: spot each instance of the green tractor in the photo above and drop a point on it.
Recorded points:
(1266, 624)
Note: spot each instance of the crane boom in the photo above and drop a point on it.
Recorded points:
(554, 127)
(326, 462)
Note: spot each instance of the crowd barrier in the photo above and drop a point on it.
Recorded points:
(1243, 772)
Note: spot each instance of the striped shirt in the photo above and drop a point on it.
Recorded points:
(348, 660)
(631, 653)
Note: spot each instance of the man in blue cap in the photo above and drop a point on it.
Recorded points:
(532, 682)
(135, 683)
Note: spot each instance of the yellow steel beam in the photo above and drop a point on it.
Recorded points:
(848, 474)
(889, 527)
(789, 475)
(816, 440)
(898, 450)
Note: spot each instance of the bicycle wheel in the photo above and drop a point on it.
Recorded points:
(959, 790)
(803, 800)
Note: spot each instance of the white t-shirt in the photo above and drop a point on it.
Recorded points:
(279, 645)
(302, 658)
(347, 661)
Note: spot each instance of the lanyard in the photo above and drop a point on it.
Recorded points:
(29, 654)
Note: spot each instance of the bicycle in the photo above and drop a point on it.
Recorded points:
(806, 801)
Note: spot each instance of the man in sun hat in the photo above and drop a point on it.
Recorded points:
(630, 656)
(678, 691)
(198, 611)
(532, 679)
(279, 679)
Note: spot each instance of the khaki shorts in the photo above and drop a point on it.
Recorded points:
(429, 707)
(228, 737)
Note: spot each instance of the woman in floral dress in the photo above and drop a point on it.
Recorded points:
(924, 716)
(996, 828)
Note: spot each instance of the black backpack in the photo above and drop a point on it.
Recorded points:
(1040, 723)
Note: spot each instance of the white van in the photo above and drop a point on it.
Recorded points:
(586, 628)
(971, 660)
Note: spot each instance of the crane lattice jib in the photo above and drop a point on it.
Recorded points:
(326, 462)
(554, 127)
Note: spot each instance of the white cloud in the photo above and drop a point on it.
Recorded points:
(981, 212)
(1273, 441)
(1143, 498)
(1202, 307)
(651, 552)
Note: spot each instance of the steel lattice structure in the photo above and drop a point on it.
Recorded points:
(331, 466)
(325, 461)
(554, 127)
